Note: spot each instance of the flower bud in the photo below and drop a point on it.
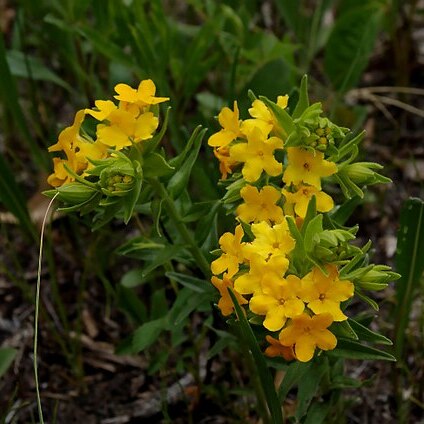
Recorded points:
(363, 173)
(75, 193)
(118, 178)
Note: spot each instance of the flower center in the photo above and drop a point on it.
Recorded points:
(322, 296)
(306, 166)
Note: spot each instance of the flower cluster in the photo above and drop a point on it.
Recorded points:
(104, 152)
(289, 261)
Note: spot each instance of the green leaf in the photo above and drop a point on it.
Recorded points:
(193, 283)
(131, 199)
(158, 304)
(343, 382)
(351, 349)
(177, 161)
(308, 387)
(156, 209)
(155, 165)
(283, 118)
(312, 233)
(150, 145)
(367, 299)
(303, 102)
(350, 45)
(133, 278)
(194, 302)
(143, 246)
(7, 355)
(343, 329)
(264, 375)
(147, 334)
(206, 234)
(295, 372)
(178, 182)
(317, 412)
(367, 335)
(311, 213)
(343, 212)
(27, 66)
(161, 257)
(105, 46)
(409, 263)
(131, 304)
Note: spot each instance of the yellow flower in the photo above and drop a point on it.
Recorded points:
(257, 155)
(248, 125)
(251, 282)
(275, 348)
(143, 96)
(278, 301)
(103, 109)
(70, 138)
(225, 303)
(306, 333)
(270, 240)
(300, 199)
(323, 294)
(226, 164)
(260, 205)
(260, 111)
(282, 101)
(77, 149)
(307, 167)
(232, 255)
(230, 124)
(59, 176)
(124, 128)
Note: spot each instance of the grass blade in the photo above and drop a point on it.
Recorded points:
(12, 198)
(9, 98)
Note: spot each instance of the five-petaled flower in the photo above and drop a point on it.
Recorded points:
(225, 303)
(301, 197)
(305, 333)
(232, 248)
(257, 155)
(323, 293)
(260, 205)
(307, 167)
(278, 301)
(230, 123)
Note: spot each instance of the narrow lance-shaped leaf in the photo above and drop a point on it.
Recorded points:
(351, 43)
(179, 180)
(309, 386)
(352, 349)
(262, 369)
(303, 102)
(409, 264)
(365, 334)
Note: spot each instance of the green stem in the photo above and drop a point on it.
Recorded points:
(198, 255)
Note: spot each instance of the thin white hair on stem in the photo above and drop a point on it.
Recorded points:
(37, 307)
